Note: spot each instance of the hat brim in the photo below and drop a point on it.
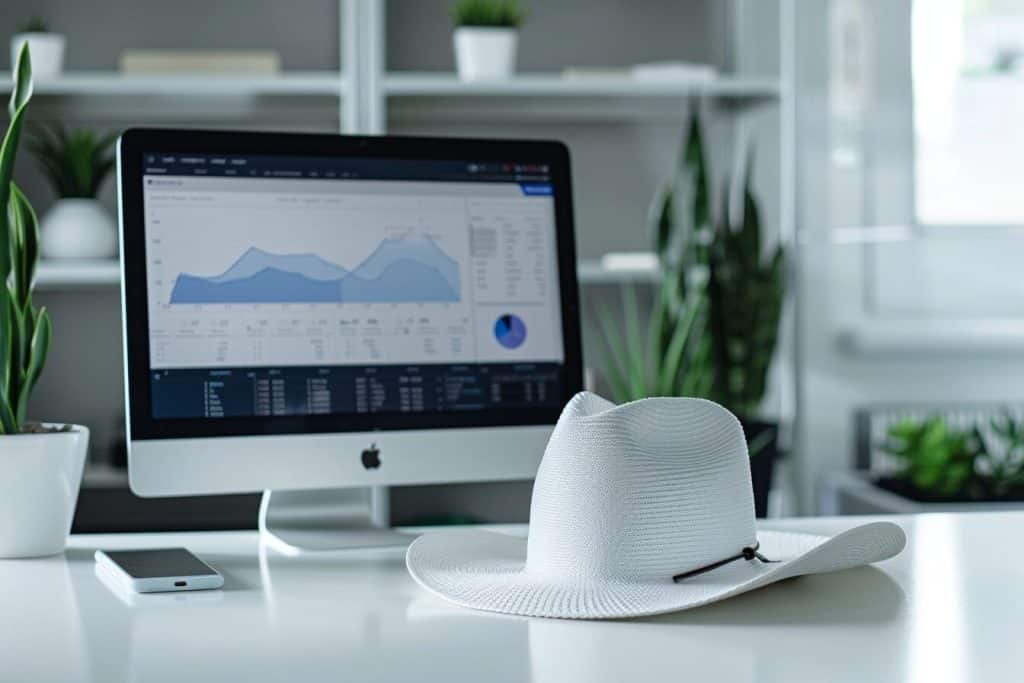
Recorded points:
(487, 571)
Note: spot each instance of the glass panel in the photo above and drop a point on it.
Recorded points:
(968, 69)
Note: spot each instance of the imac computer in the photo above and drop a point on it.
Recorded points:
(320, 316)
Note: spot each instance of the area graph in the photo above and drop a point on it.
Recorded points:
(409, 269)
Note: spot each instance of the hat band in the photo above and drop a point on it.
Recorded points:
(748, 553)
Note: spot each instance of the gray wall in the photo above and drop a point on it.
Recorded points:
(564, 33)
(305, 34)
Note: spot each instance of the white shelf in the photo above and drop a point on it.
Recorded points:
(594, 272)
(74, 274)
(882, 336)
(397, 84)
(555, 85)
(77, 274)
(91, 83)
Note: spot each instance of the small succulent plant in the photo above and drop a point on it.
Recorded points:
(488, 13)
(74, 161)
(34, 25)
(983, 462)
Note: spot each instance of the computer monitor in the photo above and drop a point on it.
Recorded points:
(321, 311)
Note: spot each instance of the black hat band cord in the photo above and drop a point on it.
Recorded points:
(748, 553)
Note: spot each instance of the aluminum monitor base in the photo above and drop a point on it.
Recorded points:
(327, 519)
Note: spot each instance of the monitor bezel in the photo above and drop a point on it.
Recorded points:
(134, 143)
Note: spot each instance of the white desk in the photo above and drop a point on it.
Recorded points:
(950, 608)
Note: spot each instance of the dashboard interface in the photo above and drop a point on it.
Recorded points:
(292, 286)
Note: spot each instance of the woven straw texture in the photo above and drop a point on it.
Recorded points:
(625, 498)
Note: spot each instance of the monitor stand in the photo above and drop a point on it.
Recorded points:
(328, 519)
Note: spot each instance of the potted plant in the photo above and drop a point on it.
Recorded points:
(938, 461)
(714, 321)
(76, 162)
(486, 37)
(41, 463)
(47, 48)
(671, 355)
(746, 291)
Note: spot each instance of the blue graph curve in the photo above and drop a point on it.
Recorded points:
(400, 270)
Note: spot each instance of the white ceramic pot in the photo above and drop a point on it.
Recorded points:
(47, 50)
(77, 229)
(483, 53)
(40, 475)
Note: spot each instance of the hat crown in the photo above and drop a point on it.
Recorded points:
(640, 492)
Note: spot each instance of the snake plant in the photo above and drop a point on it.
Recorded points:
(672, 354)
(714, 322)
(24, 330)
(746, 290)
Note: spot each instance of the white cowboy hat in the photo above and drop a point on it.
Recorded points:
(637, 509)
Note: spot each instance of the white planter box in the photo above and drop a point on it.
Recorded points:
(46, 50)
(40, 475)
(853, 493)
(485, 53)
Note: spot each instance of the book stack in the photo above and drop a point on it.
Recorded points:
(256, 62)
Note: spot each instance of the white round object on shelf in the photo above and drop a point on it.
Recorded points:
(46, 49)
(485, 53)
(77, 228)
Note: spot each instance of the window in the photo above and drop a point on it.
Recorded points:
(968, 89)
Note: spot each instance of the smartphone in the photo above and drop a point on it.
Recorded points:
(157, 571)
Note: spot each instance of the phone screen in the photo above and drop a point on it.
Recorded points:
(151, 564)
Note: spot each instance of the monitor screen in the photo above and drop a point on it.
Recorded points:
(299, 286)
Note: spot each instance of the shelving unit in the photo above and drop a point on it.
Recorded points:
(74, 274)
(370, 96)
(553, 97)
(108, 83)
(77, 274)
(371, 99)
(397, 84)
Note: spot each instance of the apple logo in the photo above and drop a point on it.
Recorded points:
(371, 457)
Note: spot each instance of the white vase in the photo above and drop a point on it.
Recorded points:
(77, 229)
(484, 53)
(40, 475)
(47, 50)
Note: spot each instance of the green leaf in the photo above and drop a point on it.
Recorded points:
(693, 160)
(6, 356)
(22, 90)
(672, 358)
(616, 362)
(663, 223)
(750, 232)
(38, 352)
(698, 380)
(21, 93)
(24, 236)
(19, 350)
(8, 424)
(29, 238)
(637, 368)
(759, 442)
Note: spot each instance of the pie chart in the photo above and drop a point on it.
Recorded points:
(510, 331)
